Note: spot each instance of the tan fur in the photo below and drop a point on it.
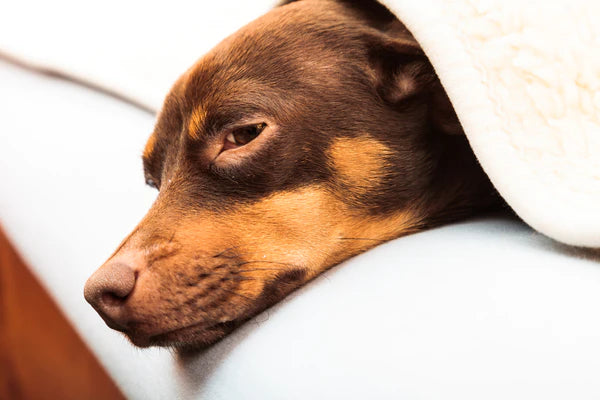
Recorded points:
(347, 162)
(306, 229)
(359, 162)
(149, 148)
(195, 123)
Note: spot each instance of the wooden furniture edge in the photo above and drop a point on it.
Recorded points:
(41, 355)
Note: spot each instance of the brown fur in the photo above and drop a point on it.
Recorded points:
(362, 146)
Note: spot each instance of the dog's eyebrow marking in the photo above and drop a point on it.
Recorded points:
(149, 148)
(360, 163)
(196, 122)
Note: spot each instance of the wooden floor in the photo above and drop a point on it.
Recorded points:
(41, 356)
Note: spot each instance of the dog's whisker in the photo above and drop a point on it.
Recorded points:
(365, 239)
(241, 278)
(206, 275)
(262, 269)
(225, 251)
(237, 294)
(229, 277)
(268, 262)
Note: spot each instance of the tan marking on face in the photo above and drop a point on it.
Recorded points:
(196, 121)
(360, 162)
(214, 267)
(150, 144)
(309, 227)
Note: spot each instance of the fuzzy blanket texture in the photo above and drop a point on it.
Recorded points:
(523, 76)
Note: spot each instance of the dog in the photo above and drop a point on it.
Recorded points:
(312, 134)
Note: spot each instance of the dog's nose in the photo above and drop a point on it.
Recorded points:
(107, 289)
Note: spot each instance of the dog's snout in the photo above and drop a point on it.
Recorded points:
(107, 289)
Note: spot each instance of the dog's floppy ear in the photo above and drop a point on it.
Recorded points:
(400, 69)
(403, 74)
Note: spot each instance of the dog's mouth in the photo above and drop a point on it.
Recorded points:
(197, 336)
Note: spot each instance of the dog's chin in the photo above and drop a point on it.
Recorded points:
(189, 338)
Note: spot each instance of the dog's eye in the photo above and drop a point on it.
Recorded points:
(152, 183)
(244, 135)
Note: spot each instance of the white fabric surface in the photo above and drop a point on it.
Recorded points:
(524, 78)
(484, 309)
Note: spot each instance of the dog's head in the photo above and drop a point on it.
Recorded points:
(310, 135)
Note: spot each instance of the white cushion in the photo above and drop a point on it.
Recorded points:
(482, 309)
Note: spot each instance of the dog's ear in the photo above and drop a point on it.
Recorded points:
(403, 75)
(442, 114)
(401, 71)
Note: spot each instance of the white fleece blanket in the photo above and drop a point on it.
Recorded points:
(524, 78)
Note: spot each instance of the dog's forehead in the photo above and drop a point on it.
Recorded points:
(279, 64)
(284, 48)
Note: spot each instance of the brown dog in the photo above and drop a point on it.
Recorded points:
(314, 133)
